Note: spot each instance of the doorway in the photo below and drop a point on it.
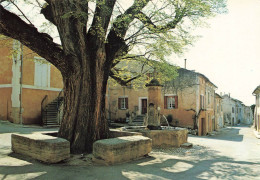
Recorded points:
(143, 106)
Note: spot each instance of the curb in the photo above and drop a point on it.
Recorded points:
(257, 134)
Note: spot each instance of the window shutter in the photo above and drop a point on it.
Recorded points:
(165, 102)
(176, 102)
(200, 101)
(119, 103)
(126, 103)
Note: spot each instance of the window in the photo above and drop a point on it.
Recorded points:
(217, 108)
(233, 109)
(123, 103)
(170, 102)
(41, 73)
(202, 102)
(208, 97)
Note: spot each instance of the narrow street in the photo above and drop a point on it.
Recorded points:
(232, 153)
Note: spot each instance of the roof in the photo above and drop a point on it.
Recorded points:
(199, 74)
(217, 95)
(257, 90)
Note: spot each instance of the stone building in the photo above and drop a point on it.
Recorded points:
(219, 119)
(25, 80)
(248, 115)
(235, 111)
(188, 100)
(229, 106)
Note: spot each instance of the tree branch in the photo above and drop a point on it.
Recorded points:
(13, 26)
(116, 44)
(47, 12)
(102, 17)
(21, 12)
(159, 28)
(122, 82)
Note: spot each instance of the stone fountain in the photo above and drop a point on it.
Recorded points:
(161, 137)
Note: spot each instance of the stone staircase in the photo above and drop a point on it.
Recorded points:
(138, 121)
(50, 113)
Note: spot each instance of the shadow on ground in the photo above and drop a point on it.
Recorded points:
(201, 164)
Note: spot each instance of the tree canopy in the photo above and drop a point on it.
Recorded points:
(95, 36)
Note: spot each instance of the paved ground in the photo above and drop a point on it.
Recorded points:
(232, 153)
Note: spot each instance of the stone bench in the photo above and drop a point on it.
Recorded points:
(42, 147)
(121, 149)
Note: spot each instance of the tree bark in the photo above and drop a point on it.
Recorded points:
(84, 119)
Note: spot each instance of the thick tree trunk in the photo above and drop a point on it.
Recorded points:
(84, 119)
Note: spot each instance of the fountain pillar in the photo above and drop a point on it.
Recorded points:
(154, 104)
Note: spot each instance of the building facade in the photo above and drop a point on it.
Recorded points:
(219, 119)
(256, 92)
(229, 108)
(25, 80)
(189, 100)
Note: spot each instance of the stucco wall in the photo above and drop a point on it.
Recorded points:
(5, 62)
(10, 84)
(31, 104)
(133, 95)
(5, 103)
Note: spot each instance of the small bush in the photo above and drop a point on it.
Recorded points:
(169, 118)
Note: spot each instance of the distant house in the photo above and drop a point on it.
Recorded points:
(219, 119)
(27, 83)
(248, 115)
(188, 100)
(239, 111)
(235, 112)
(256, 92)
(229, 110)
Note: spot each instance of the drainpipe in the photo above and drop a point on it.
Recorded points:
(21, 85)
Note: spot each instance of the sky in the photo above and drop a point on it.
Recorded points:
(228, 52)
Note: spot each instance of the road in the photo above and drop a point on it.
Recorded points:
(232, 153)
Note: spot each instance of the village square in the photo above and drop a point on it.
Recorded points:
(107, 90)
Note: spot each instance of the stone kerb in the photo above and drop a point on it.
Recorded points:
(121, 149)
(42, 147)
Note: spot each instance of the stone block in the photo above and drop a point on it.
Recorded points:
(116, 133)
(186, 145)
(121, 149)
(42, 147)
(167, 138)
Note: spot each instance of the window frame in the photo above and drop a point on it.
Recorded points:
(124, 105)
(40, 63)
(168, 105)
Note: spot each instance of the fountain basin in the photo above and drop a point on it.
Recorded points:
(168, 137)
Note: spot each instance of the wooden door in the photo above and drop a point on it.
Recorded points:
(144, 106)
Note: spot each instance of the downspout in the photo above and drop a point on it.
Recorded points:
(21, 85)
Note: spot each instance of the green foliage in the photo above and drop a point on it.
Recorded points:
(154, 30)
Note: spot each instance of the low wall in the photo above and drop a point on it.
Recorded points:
(121, 149)
(42, 147)
(167, 138)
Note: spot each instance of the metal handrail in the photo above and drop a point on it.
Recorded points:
(42, 108)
